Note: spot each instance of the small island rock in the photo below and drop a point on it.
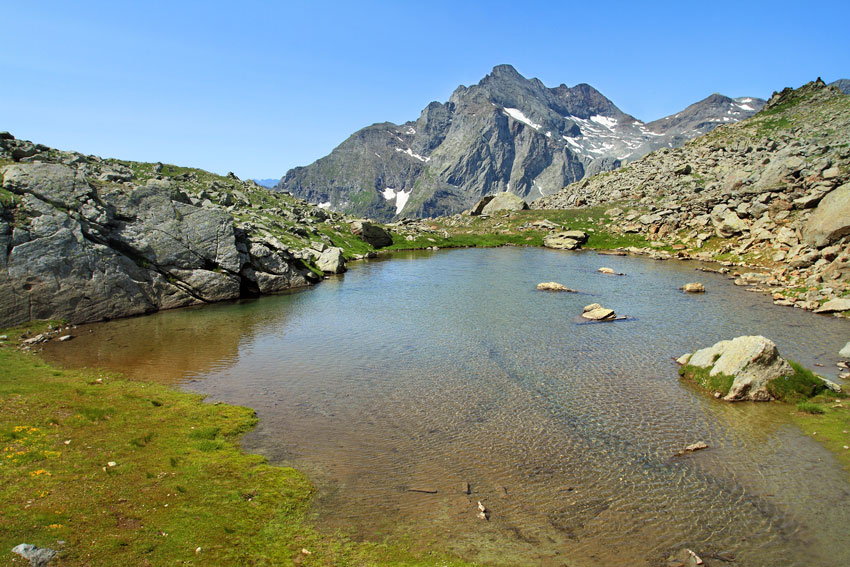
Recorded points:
(694, 287)
(596, 312)
(553, 286)
(610, 271)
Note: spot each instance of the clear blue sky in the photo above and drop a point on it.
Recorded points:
(260, 87)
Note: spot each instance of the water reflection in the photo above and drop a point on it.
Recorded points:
(171, 346)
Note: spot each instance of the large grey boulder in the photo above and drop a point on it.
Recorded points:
(845, 352)
(779, 173)
(753, 362)
(726, 222)
(504, 202)
(371, 234)
(565, 240)
(830, 220)
(479, 206)
(331, 261)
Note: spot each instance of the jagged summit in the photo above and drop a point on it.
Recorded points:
(505, 133)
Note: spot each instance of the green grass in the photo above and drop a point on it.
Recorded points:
(515, 229)
(719, 383)
(829, 424)
(810, 407)
(178, 480)
(800, 385)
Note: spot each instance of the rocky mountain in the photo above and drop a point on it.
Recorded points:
(507, 133)
(771, 192)
(842, 84)
(85, 239)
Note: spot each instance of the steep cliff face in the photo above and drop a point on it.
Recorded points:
(85, 239)
(507, 133)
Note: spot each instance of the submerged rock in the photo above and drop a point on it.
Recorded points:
(694, 287)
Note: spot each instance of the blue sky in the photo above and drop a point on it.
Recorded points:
(260, 87)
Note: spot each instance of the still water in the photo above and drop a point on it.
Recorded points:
(432, 370)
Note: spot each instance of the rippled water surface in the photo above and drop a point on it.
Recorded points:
(429, 371)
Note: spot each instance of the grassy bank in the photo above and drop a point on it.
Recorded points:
(126, 472)
(518, 228)
(831, 428)
(821, 413)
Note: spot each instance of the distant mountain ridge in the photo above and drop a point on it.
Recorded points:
(269, 183)
(842, 84)
(506, 133)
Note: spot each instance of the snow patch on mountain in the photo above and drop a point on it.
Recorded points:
(409, 152)
(517, 114)
(400, 197)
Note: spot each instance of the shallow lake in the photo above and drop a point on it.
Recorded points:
(431, 370)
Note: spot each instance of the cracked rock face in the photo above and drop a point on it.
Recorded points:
(87, 245)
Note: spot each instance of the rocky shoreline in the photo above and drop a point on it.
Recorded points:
(770, 194)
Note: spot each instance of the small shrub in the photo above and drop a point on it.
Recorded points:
(94, 414)
(205, 433)
(809, 407)
(209, 445)
(141, 441)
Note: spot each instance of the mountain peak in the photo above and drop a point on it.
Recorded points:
(505, 133)
(505, 70)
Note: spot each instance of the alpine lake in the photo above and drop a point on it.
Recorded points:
(421, 383)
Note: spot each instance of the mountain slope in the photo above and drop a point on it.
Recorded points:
(772, 191)
(507, 133)
(842, 84)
